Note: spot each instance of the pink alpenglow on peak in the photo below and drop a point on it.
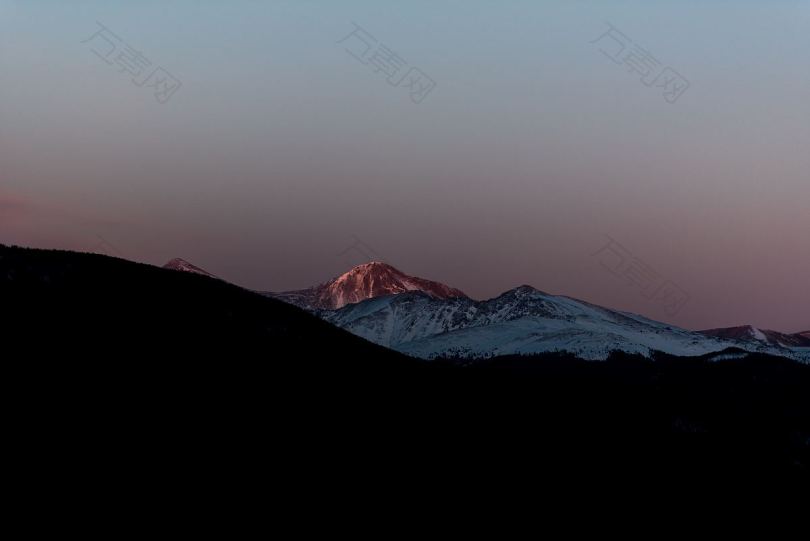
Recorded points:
(184, 266)
(366, 281)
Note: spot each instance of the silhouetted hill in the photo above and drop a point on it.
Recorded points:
(112, 308)
(138, 356)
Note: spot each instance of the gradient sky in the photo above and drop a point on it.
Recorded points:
(280, 147)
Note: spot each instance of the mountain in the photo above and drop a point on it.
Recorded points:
(191, 366)
(805, 334)
(367, 281)
(76, 301)
(521, 321)
(427, 319)
(750, 334)
(184, 266)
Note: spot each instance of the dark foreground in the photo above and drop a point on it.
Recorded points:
(159, 375)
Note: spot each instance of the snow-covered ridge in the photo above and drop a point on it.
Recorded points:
(520, 321)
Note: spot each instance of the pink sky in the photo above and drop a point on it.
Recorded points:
(532, 150)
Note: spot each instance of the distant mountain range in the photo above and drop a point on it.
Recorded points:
(751, 334)
(527, 321)
(428, 319)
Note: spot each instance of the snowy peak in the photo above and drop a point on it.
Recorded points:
(371, 277)
(523, 291)
(749, 333)
(366, 281)
(184, 266)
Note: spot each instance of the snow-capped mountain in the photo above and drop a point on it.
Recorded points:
(747, 333)
(184, 266)
(521, 321)
(367, 281)
(429, 319)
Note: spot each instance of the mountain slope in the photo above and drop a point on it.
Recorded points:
(521, 321)
(129, 310)
(367, 281)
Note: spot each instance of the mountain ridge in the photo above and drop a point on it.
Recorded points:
(113, 351)
(428, 319)
(523, 320)
(749, 333)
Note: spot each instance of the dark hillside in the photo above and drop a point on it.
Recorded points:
(101, 349)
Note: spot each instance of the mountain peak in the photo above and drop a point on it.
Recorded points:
(372, 266)
(365, 281)
(182, 265)
(176, 262)
(525, 288)
(525, 291)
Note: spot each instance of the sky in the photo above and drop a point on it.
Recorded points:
(645, 156)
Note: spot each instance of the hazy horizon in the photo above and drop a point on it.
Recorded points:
(283, 160)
